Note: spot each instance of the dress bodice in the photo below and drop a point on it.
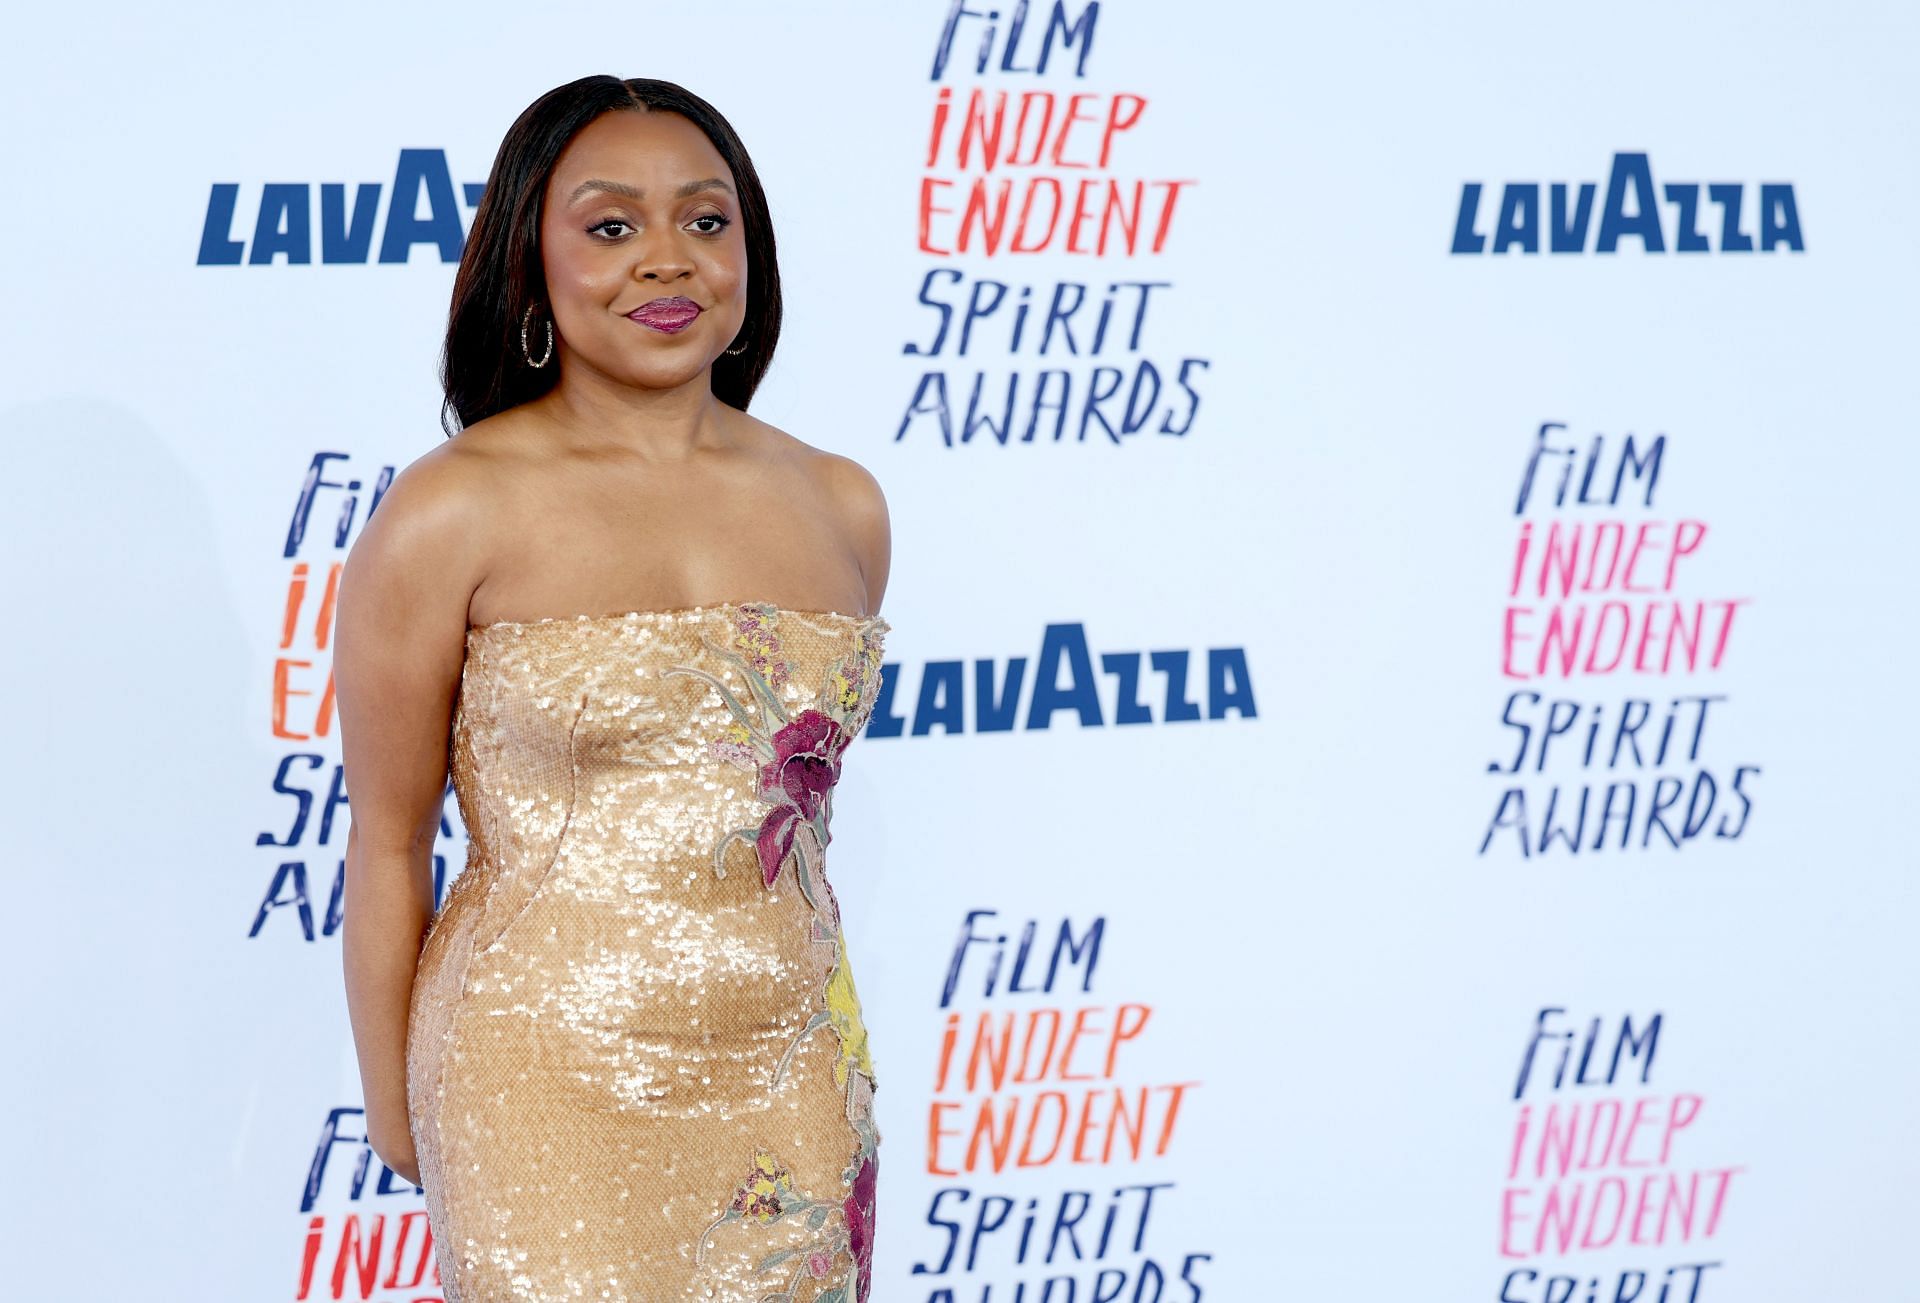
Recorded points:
(555, 713)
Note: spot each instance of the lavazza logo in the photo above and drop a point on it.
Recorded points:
(289, 223)
(1676, 217)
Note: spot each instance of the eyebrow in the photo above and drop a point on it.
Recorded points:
(634, 192)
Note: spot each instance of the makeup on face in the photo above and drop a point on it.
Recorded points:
(670, 315)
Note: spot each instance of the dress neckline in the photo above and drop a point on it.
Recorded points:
(671, 613)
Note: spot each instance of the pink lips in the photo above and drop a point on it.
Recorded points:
(669, 314)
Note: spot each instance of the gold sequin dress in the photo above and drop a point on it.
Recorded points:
(636, 1067)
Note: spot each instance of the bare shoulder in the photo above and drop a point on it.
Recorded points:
(856, 500)
(850, 486)
(862, 502)
(862, 509)
(430, 502)
(426, 543)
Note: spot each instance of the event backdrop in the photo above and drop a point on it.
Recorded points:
(1393, 771)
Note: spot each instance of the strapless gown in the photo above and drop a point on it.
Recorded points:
(636, 1067)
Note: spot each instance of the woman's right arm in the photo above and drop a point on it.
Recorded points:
(399, 646)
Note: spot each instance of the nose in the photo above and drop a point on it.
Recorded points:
(659, 257)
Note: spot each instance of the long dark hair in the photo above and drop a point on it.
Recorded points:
(482, 368)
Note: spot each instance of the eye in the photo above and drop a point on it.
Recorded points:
(724, 223)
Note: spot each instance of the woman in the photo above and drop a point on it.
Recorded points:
(625, 1059)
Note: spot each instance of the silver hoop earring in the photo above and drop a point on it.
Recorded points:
(736, 352)
(525, 323)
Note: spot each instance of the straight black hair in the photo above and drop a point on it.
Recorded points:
(482, 368)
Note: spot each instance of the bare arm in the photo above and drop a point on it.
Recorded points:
(399, 646)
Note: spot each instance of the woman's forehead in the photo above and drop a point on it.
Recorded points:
(639, 151)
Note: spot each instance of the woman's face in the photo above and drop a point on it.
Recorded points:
(641, 210)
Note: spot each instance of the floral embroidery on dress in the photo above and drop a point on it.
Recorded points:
(795, 761)
(843, 1012)
(858, 1212)
(761, 1195)
(797, 758)
(754, 635)
(767, 1194)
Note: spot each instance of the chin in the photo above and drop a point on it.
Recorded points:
(664, 376)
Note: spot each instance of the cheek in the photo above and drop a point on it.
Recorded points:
(594, 278)
(728, 276)
(574, 271)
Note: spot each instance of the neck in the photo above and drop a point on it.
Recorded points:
(593, 410)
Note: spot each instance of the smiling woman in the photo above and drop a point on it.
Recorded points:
(625, 1058)
(576, 203)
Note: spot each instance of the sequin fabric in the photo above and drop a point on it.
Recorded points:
(636, 1067)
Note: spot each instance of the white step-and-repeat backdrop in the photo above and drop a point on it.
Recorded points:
(1395, 761)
